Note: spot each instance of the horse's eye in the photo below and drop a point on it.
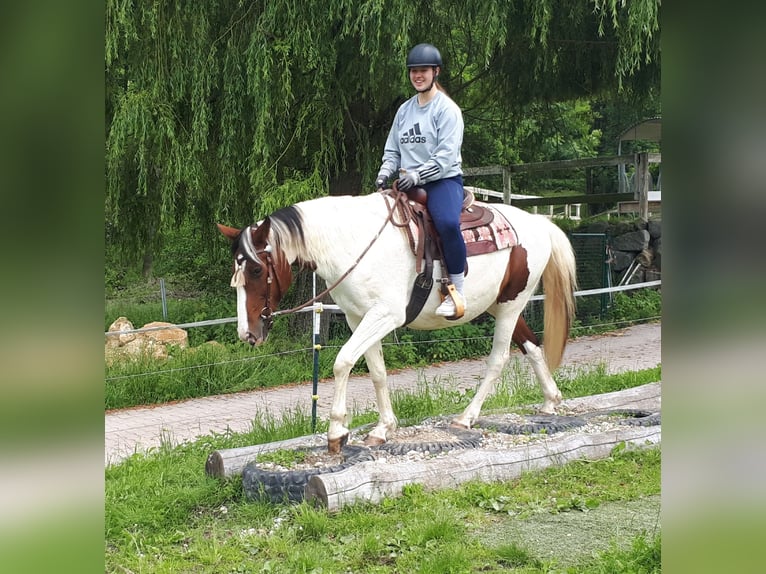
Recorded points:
(255, 270)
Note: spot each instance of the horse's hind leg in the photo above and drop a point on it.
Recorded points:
(505, 319)
(529, 344)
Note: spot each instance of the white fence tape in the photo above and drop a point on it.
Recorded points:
(321, 307)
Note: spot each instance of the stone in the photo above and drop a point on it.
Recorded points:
(654, 227)
(632, 241)
(153, 344)
(621, 260)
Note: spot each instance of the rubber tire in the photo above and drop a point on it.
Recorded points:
(290, 485)
(464, 438)
(632, 417)
(547, 424)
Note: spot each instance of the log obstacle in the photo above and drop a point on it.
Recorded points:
(229, 462)
(375, 480)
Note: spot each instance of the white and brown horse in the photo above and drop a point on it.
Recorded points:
(351, 243)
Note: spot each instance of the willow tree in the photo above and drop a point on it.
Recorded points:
(226, 110)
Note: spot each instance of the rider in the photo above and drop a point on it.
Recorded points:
(424, 146)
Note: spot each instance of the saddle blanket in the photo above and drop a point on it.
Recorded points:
(495, 235)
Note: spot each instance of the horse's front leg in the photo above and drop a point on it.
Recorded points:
(387, 421)
(375, 324)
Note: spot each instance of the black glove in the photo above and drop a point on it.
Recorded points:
(380, 183)
(408, 180)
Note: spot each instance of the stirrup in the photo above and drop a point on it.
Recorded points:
(453, 306)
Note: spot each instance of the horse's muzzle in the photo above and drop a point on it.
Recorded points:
(252, 339)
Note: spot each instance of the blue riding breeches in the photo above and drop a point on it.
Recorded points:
(445, 202)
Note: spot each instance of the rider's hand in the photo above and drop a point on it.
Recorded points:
(380, 183)
(408, 180)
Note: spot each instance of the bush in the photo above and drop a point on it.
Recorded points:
(636, 305)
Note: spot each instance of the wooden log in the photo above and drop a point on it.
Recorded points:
(229, 462)
(375, 480)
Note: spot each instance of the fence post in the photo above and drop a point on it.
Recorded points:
(163, 296)
(317, 346)
(506, 185)
(642, 184)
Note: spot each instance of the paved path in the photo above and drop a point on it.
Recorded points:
(137, 429)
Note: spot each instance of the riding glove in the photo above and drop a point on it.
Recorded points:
(408, 180)
(380, 183)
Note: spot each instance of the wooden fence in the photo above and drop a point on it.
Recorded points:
(640, 197)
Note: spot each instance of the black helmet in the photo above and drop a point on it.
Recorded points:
(424, 55)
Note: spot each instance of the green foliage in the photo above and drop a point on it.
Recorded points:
(513, 556)
(222, 111)
(637, 305)
(206, 369)
(643, 557)
(283, 457)
(203, 371)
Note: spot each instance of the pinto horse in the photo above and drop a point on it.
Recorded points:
(354, 245)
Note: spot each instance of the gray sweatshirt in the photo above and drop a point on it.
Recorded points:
(426, 139)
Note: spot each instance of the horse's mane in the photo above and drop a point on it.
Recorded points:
(287, 231)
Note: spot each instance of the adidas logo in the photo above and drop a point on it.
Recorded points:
(413, 135)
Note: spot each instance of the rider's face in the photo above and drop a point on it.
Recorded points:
(422, 77)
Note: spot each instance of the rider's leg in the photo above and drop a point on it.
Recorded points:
(445, 202)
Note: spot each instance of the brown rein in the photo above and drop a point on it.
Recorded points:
(399, 200)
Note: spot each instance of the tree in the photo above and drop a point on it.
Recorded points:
(225, 111)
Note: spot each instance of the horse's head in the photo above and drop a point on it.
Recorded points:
(261, 277)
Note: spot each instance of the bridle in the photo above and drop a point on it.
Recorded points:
(238, 280)
(267, 315)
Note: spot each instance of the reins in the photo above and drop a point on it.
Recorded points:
(399, 199)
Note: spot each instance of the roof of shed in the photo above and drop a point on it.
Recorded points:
(650, 130)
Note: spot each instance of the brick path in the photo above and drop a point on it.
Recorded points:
(137, 429)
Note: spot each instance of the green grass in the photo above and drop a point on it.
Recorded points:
(204, 369)
(208, 527)
(218, 369)
(163, 514)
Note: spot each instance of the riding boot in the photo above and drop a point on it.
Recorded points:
(451, 304)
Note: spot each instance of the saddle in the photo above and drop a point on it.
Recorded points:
(484, 230)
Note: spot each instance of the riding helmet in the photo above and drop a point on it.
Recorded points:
(424, 55)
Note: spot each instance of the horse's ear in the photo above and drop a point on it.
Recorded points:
(230, 232)
(262, 231)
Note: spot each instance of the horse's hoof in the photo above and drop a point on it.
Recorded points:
(370, 440)
(456, 425)
(334, 445)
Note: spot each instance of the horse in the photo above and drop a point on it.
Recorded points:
(353, 243)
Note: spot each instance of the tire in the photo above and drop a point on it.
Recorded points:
(631, 417)
(289, 486)
(463, 439)
(534, 424)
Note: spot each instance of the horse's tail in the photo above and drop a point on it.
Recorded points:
(559, 284)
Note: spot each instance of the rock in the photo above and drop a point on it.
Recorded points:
(621, 260)
(632, 241)
(120, 324)
(658, 253)
(153, 344)
(654, 227)
(171, 335)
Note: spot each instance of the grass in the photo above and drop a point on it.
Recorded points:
(163, 514)
(209, 369)
(216, 531)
